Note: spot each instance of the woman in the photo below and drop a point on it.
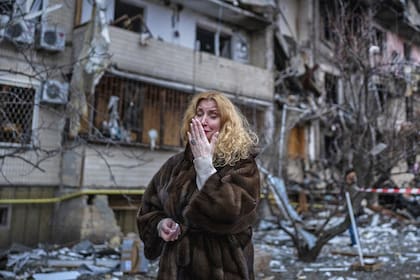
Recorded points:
(198, 209)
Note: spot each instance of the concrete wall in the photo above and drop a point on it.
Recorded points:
(170, 62)
(122, 167)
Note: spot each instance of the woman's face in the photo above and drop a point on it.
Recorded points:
(209, 116)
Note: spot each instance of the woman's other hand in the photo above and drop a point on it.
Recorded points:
(168, 229)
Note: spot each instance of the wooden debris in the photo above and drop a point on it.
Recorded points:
(367, 267)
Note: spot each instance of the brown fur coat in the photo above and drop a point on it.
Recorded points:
(216, 222)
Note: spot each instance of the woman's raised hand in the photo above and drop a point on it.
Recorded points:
(200, 145)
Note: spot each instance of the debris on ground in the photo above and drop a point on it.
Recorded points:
(390, 250)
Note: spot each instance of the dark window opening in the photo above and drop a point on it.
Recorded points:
(331, 88)
(207, 42)
(16, 113)
(128, 16)
(329, 147)
(4, 216)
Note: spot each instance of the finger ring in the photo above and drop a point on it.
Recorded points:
(193, 142)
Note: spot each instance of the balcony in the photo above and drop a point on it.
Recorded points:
(173, 63)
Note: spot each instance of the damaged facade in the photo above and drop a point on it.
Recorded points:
(65, 178)
(159, 53)
(336, 63)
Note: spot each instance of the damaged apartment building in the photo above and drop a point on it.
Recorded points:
(93, 92)
(340, 66)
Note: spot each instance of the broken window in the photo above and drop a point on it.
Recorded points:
(125, 14)
(16, 114)
(139, 108)
(129, 16)
(216, 43)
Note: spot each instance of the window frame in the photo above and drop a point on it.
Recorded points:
(219, 32)
(35, 113)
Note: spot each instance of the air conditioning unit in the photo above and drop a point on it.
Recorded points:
(51, 38)
(22, 31)
(54, 92)
(4, 20)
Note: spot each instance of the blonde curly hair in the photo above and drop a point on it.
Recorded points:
(236, 140)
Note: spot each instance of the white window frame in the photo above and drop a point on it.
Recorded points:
(218, 30)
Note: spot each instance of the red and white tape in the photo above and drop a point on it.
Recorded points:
(393, 190)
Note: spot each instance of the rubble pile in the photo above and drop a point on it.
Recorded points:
(84, 260)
